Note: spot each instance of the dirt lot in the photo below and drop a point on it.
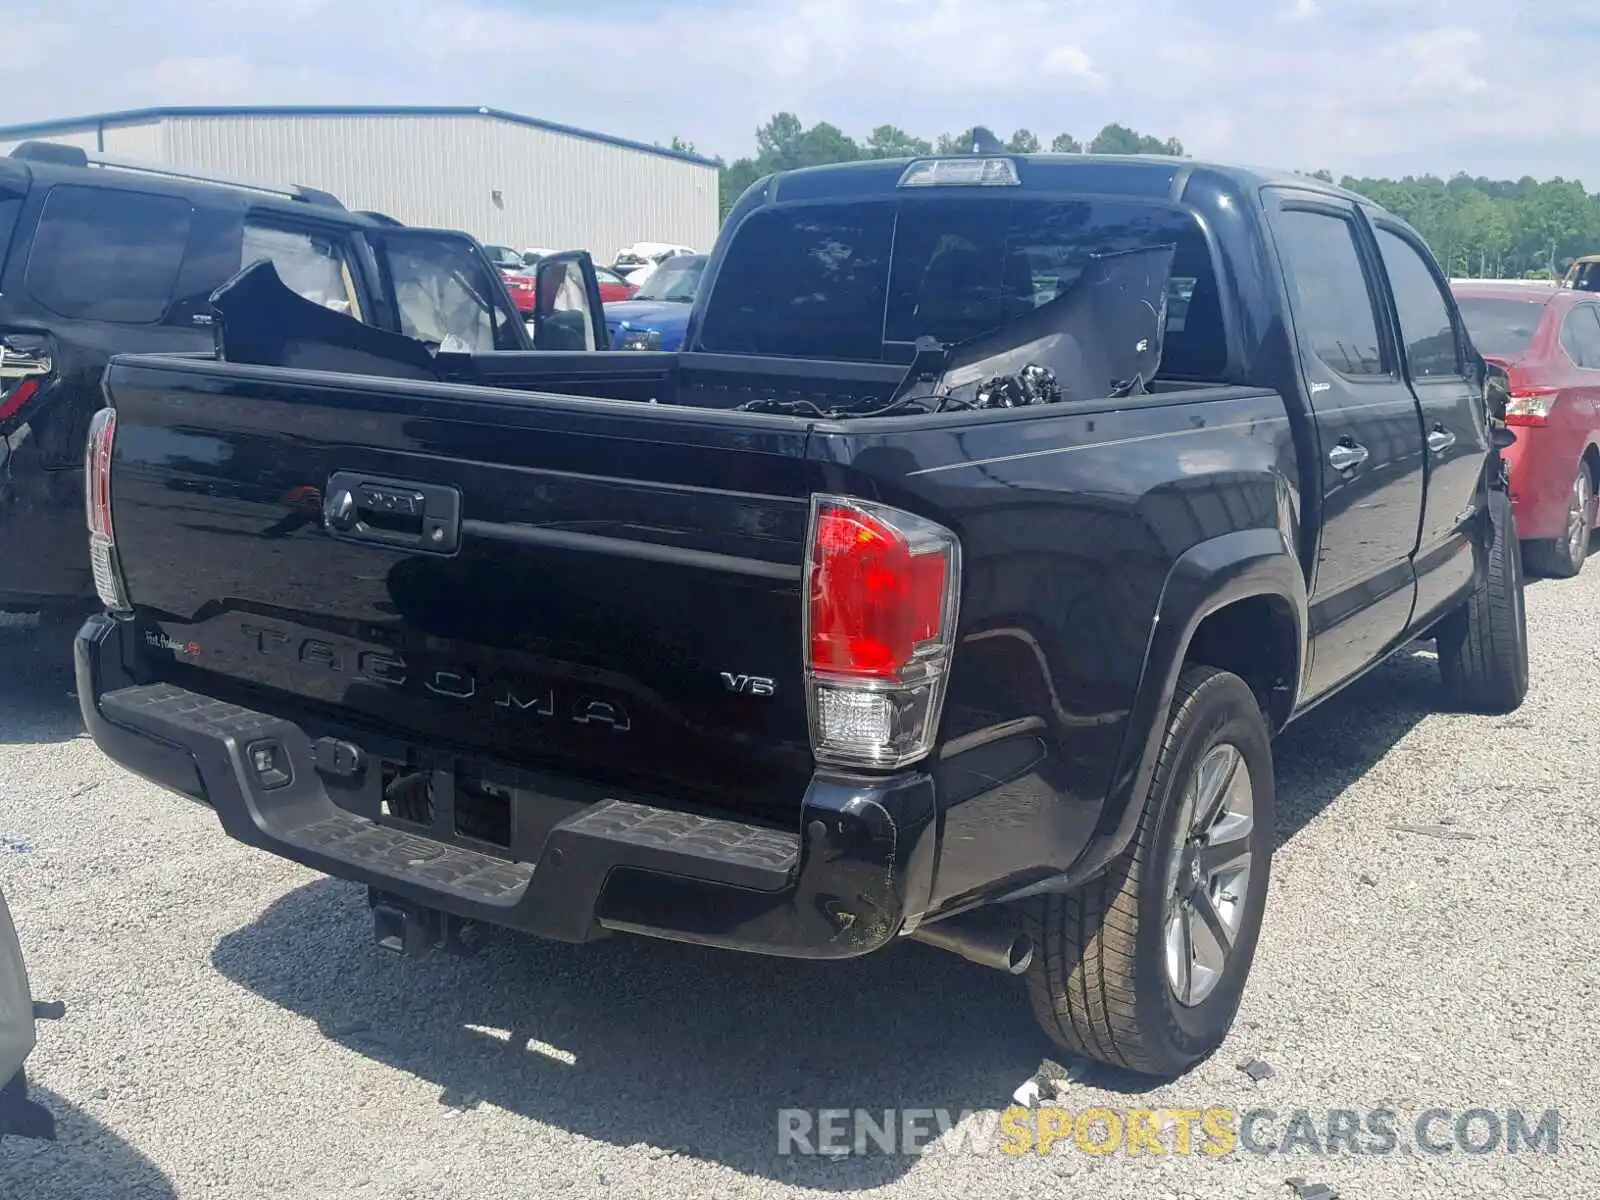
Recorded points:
(232, 1031)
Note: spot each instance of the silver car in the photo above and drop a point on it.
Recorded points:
(19, 1116)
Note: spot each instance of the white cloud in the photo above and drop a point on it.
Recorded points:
(1351, 85)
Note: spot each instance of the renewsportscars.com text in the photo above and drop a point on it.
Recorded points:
(1209, 1132)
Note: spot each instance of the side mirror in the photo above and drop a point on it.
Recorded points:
(567, 311)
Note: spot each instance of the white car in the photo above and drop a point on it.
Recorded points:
(634, 263)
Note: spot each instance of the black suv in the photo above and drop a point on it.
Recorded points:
(101, 257)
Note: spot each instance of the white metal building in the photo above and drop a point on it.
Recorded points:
(506, 179)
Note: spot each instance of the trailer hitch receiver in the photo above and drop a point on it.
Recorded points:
(403, 927)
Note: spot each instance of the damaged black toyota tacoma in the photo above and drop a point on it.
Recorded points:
(950, 584)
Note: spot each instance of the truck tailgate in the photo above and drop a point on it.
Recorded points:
(619, 599)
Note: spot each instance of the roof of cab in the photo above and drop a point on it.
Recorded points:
(1153, 175)
(221, 191)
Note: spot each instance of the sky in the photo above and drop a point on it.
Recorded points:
(1363, 87)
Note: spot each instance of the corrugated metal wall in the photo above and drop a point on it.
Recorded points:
(554, 190)
(143, 140)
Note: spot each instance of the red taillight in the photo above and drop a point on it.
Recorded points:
(97, 472)
(11, 402)
(1530, 405)
(872, 600)
(881, 597)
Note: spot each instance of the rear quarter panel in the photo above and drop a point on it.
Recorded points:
(1072, 524)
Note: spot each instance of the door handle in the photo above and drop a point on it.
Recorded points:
(1441, 439)
(393, 512)
(1347, 455)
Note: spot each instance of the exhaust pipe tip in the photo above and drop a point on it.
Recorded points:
(981, 936)
(1019, 956)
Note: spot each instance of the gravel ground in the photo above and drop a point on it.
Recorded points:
(233, 1033)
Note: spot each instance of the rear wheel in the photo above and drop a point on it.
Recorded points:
(1483, 645)
(1563, 557)
(1144, 967)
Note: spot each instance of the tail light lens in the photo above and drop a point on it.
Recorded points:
(97, 501)
(25, 369)
(882, 587)
(1530, 406)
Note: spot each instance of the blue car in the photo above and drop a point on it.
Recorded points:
(658, 314)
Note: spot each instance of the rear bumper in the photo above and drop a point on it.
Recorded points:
(840, 884)
(1543, 463)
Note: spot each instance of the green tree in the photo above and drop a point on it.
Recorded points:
(1498, 227)
(1119, 139)
(890, 141)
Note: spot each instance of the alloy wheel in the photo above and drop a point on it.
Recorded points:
(1209, 878)
(1578, 516)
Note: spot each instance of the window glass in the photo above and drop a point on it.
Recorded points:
(100, 254)
(1501, 327)
(676, 280)
(863, 280)
(1429, 335)
(1580, 336)
(311, 265)
(444, 295)
(1333, 307)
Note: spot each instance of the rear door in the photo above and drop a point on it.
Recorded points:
(1454, 417)
(1369, 429)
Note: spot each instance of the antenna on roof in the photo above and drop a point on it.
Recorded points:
(984, 142)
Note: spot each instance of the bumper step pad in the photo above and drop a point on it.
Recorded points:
(610, 833)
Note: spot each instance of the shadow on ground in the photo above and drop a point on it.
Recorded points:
(38, 699)
(87, 1160)
(1334, 745)
(637, 1041)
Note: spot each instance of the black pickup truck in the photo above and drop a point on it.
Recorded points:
(950, 584)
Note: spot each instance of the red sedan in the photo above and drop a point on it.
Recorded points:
(1548, 341)
(613, 287)
(520, 283)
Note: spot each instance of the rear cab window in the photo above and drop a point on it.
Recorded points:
(104, 254)
(862, 280)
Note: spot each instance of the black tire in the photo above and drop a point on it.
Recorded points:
(1099, 982)
(1563, 557)
(1483, 645)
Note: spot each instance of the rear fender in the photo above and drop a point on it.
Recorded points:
(1208, 577)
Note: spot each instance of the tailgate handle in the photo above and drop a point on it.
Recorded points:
(393, 512)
